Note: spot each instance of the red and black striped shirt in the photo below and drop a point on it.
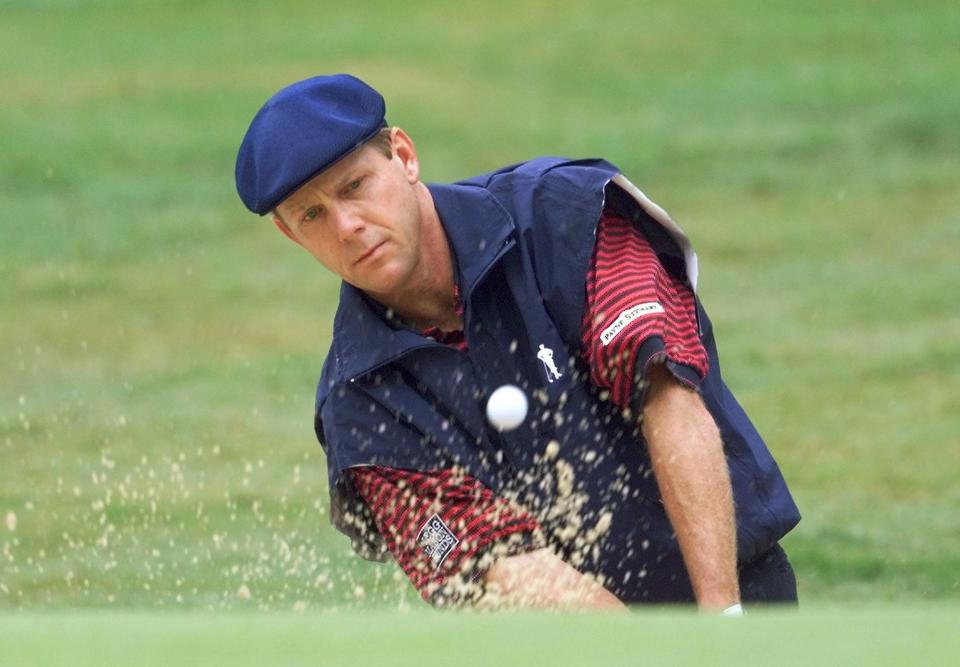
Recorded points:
(445, 528)
(637, 312)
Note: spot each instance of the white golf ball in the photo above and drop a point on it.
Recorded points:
(507, 407)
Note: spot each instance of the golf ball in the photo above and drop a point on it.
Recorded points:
(507, 407)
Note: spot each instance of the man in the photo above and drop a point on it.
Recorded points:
(636, 476)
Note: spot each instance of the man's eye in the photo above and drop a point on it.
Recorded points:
(310, 214)
(354, 184)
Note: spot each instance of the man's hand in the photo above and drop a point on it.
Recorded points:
(542, 580)
(691, 471)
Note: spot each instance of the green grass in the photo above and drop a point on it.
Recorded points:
(160, 345)
(876, 636)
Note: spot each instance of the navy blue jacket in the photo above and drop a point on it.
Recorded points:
(522, 240)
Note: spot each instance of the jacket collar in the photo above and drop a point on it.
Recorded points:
(366, 335)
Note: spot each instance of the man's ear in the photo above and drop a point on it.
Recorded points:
(403, 148)
(281, 225)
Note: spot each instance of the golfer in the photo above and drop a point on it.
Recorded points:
(636, 476)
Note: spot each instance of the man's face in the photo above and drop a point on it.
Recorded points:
(361, 217)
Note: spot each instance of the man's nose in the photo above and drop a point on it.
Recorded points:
(347, 222)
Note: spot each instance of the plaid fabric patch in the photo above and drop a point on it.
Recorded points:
(436, 540)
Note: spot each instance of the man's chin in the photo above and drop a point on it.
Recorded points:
(380, 290)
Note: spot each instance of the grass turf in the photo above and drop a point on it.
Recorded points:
(160, 345)
(876, 636)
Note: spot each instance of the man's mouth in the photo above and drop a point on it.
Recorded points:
(369, 252)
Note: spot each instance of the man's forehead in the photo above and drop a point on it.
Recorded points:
(327, 180)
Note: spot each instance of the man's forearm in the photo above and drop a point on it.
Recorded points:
(541, 580)
(691, 471)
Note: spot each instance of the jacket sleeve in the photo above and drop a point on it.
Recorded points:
(444, 528)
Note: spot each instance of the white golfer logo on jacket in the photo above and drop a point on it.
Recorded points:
(546, 356)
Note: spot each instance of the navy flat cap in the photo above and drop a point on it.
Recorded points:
(301, 131)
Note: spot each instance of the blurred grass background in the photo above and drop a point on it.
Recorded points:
(912, 634)
(160, 345)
